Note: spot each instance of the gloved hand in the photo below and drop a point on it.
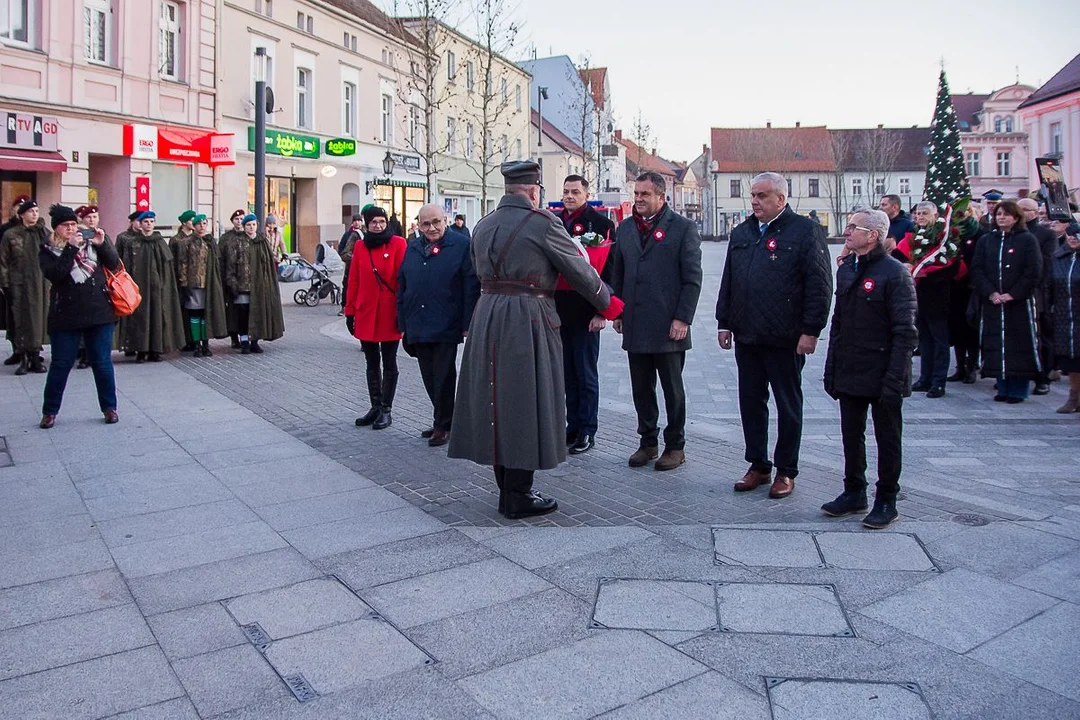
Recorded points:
(350, 322)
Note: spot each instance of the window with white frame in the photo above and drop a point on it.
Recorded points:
(387, 119)
(997, 124)
(470, 146)
(414, 127)
(348, 109)
(505, 147)
(265, 7)
(97, 18)
(905, 186)
(735, 188)
(517, 97)
(305, 23)
(813, 187)
(304, 98)
(879, 186)
(18, 22)
(1056, 145)
(1008, 123)
(505, 93)
(451, 66)
(470, 76)
(856, 187)
(973, 164)
(517, 148)
(789, 189)
(169, 47)
(1004, 164)
(451, 136)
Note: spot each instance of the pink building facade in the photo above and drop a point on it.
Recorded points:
(101, 97)
(1051, 118)
(995, 145)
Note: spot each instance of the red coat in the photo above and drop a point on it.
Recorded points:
(373, 305)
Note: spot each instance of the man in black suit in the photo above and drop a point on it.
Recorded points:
(581, 325)
(774, 302)
(657, 273)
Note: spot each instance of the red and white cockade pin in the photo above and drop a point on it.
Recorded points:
(659, 235)
(868, 285)
(771, 244)
(578, 229)
(436, 250)
(1012, 250)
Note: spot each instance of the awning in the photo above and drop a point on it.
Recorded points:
(400, 183)
(32, 160)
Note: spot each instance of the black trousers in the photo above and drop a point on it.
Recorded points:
(382, 371)
(933, 348)
(438, 369)
(1046, 338)
(644, 369)
(762, 367)
(581, 354)
(513, 481)
(888, 429)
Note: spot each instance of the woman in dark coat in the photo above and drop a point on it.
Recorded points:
(1064, 300)
(1006, 272)
(156, 326)
(371, 311)
(79, 311)
(251, 280)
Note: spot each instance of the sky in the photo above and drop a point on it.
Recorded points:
(689, 65)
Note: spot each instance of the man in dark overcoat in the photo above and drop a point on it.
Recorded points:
(657, 272)
(510, 411)
(6, 323)
(226, 247)
(1048, 247)
(581, 325)
(156, 327)
(868, 366)
(437, 290)
(773, 304)
(25, 287)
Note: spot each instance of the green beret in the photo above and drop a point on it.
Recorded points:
(198, 218)
(186, 215)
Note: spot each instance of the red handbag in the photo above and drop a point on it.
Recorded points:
(123, 291)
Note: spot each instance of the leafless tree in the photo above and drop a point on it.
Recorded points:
(759, 150)
(583, 111)
(488, 105)
(641, 135)
(874, 153)
(836, 180)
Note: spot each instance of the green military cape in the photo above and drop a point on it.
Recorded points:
(157, 324)
(28, 290)
(265, 321)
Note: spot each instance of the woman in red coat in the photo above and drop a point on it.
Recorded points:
(371, 311)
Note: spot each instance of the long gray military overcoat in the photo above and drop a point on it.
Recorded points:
(511, 402)
(659, 279)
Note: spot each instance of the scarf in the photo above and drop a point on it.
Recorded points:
(86, 260)
(645, 227)
(568, 218)
(373, 240)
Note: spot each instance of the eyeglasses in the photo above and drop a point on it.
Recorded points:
(431, 224)
(853, 226)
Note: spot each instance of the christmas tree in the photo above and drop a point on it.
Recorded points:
(946, 180)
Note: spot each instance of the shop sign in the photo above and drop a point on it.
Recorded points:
(287, 144)
(30, 132)
(142, 193)
(149, 142)
(340, 147)
(407, 162)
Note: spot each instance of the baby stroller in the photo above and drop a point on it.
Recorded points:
(322, 286)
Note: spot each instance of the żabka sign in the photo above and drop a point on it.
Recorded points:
(148, 142)
(341, 147)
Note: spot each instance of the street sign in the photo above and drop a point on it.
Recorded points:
(142, 193)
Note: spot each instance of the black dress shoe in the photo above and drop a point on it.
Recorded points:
(522, 505)
(935, 392)
(971, 378)
(845, 504)
(1000, 398)
(583, 445)
(882, 515)
(571, 439)
(920, 387)
(1041, 388)
(1014, 400)
(140, 358)
(426, 433)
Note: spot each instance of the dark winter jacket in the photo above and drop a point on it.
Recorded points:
(873, 330)
(437, 290)
(575, 311)
(777, 288)
(75, 306)
(1048, 247)
(900, 226)
(1064, 300)
(659, 279)
(1011, 264)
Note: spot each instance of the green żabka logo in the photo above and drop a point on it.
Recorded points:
(288, 145)
(340, 147)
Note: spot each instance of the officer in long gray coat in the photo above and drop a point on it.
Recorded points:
(510, 411)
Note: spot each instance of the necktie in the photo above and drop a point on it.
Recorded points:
(763, 228)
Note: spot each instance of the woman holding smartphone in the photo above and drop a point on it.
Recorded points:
(79, 310)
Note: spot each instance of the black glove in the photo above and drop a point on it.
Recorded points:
(350, 322)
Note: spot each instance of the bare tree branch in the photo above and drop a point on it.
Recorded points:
(836, 181)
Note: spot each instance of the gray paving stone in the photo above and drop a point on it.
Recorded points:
(873, 551)
(1044, 650)
(29, 604)
(335, 658)
(128, 482)
(299, 485)
(89, 690)
(48, 644)
(220, 580)
(482, 639)
(20, 566)
(318, 541)
(1000, 550)
(422, 599)
(826, 700)
(656, 605)
(535, 547)
(160, 556)
(857, 588)
(179, 709)
(135, 460)
(172, 523)
(766, 548)
(316, 470)
(589, 682)
(155, 498)
(404, 559)
(793, 609)
(328, 508)
(229, 679)
(299, 608)
(960, 609)
(284, 450)
(673, 637)
(195, 630)
(1060, 578)
(709, 696)
(61, 530)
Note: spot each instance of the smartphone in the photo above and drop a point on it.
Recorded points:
(87, 233)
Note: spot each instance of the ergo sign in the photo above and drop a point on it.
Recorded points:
(149, 142)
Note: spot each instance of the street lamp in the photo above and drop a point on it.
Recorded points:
(388, 165)
(541, 96)
(260, 133)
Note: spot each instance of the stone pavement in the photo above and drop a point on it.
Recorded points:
(235, 548)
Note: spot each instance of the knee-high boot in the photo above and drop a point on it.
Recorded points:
(389, 389)
(374, 386)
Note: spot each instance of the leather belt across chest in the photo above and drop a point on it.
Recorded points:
(509, 287)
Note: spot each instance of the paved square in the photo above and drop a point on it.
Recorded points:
(799, 699)
(873, 551)
(766, 548)
(655, 605)
(781, 609)
(299, 608)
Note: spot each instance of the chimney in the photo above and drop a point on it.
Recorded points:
(880, 126)
(654, 151)
(704, 149)
(798, 124)
(618, 135)
(768, 124)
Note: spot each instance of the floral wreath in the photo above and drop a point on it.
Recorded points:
(934, 247)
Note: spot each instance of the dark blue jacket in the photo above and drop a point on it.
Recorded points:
(437, 291)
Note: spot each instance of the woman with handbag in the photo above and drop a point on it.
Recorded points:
(80, 309)
(371, 312)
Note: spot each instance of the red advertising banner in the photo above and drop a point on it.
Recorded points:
(178, 145)
(142, 193)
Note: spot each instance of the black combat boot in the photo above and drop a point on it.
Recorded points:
(883, 514)
(846, 503)
(24, 365)
(206, 349)
(520, 500)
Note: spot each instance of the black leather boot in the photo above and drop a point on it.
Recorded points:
(499, 472)
(961, 366)
(15, 359)
(883, 514)
(205, 347)
(383, 420)
(24, 365)
(520, 500)
(848, 502)
(389, 389)
(374, 387)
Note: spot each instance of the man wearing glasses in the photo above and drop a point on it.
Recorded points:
(868, 366)
(437, 291)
